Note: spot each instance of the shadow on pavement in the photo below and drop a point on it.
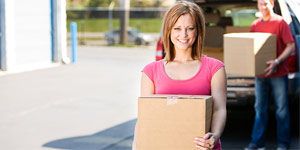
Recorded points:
(117, 137)
(237, 134)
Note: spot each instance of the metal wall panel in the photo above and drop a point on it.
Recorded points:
(33, 31)
(1, 31)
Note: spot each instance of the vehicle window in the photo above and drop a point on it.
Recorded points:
(117, 32)
(129, 33)
(243, 17)
(134, 31)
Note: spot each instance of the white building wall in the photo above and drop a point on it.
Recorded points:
(27, 34)
(60, 31)
(9, 44)
(32, 32)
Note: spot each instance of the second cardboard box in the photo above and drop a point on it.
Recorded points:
(246, 54)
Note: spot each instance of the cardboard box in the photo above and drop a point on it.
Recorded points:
(171, 122)
(214, 52)
(237, 29)
(246, 54)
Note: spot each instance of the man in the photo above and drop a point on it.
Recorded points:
(274, 81)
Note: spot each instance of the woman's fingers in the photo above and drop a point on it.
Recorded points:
(207, 142)
(203, 148)
(201, 143)
(204, 143)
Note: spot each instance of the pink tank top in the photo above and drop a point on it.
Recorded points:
(199, 84)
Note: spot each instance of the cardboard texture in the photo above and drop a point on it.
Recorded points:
(171, 122)
(214, 52)
(246, 54)
(237, 29)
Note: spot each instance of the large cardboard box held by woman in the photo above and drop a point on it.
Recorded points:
(171, 122)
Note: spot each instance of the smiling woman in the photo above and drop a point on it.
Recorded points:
(183, 33)
(184, 71)
(196, 18)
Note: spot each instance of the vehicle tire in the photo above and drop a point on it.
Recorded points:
(111, 42)
(138, 42)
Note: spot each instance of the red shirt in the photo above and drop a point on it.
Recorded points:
(276, 25)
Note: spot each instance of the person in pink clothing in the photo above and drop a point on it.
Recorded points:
(186, 71)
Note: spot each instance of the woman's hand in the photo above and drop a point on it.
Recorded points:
(207, 142)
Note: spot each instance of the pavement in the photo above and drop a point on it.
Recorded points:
(87, 105)
(92, 104)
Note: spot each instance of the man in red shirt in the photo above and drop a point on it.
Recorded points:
(274, 81)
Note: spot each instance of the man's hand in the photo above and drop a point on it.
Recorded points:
(272, 67)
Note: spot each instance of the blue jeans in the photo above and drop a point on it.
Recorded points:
(263, 87)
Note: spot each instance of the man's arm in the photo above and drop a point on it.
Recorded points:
(272, 64)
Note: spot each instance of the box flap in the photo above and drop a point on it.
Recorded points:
(177, 96)
(248, 35)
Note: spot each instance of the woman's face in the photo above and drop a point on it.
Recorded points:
(183, 33)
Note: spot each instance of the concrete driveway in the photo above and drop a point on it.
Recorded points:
(87, 105)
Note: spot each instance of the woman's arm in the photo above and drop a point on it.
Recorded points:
(147, 88)
(219, 94)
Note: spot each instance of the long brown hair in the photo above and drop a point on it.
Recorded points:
(171, 17)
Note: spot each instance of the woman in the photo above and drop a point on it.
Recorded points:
(185, 71)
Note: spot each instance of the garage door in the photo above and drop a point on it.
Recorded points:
(1, 26)
(33, 32)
